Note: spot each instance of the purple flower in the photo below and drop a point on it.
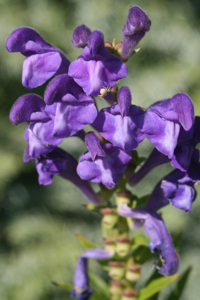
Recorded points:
(81, 280)
(181, 158)
(71, 109)
(158, 234)
(137, 24)
(43, 59)
(164, 121)
(103, 163)
(80, 36)
(59, 162)
(121, 124)
(51, 164)
(177, 188)
(96, 68)
(39, 133)
(186, 147)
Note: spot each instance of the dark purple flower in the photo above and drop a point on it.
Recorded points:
(80, 36)
(51, 164)
(176, 188)
(137, 24)
(164, 120)
(103, 163)
(96, 68)
(67, 103)
(43, 59)
(158, 234)
(121, 124)
(81, 280)
(39, 133)
(59, 162)
(181, 158)
(186, 147)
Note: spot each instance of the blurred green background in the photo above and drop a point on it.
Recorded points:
(38, 224)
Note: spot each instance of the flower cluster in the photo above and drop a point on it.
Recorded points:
(68, 106)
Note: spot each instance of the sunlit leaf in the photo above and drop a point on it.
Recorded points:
(142, 240)
(155, 286)
(154, 275)
(85, 243)
(64, 286)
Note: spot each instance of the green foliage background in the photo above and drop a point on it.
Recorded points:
(37, 223)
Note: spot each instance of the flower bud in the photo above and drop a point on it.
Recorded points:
(123, 197)
(110, 217)
(129, 294)
(116, 270)
(115, 289)
(132, 270)
(109, 244)
(123, 244)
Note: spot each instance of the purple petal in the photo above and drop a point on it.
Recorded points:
(178, 109)
(137, 24)
(28, 41)
(182, 156)
(108, 169)
(24, 107)
(80, 36)
(58, 87)
(72, 115)
(180, 195)
(94, 73)
(93, 144)
(124, 132)
(96, 42)
(81, 280)
(124, 100)
(38, 68)
(163, 134)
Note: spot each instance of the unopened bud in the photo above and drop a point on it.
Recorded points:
(110, 217)
(109, 244)
(132, 270)
(115, 289)
(123, 244)
(129, 294)
(116, 270)
(123, 197)
(118, 47)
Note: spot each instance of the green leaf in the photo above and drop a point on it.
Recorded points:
(143, 200)
(141, 240)
(64, 286)
(85, 243)
(142, 254)
(99, 286)
(155, 286)
(180, 286)
(177, 241)
(154, 275)
(135, 158)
